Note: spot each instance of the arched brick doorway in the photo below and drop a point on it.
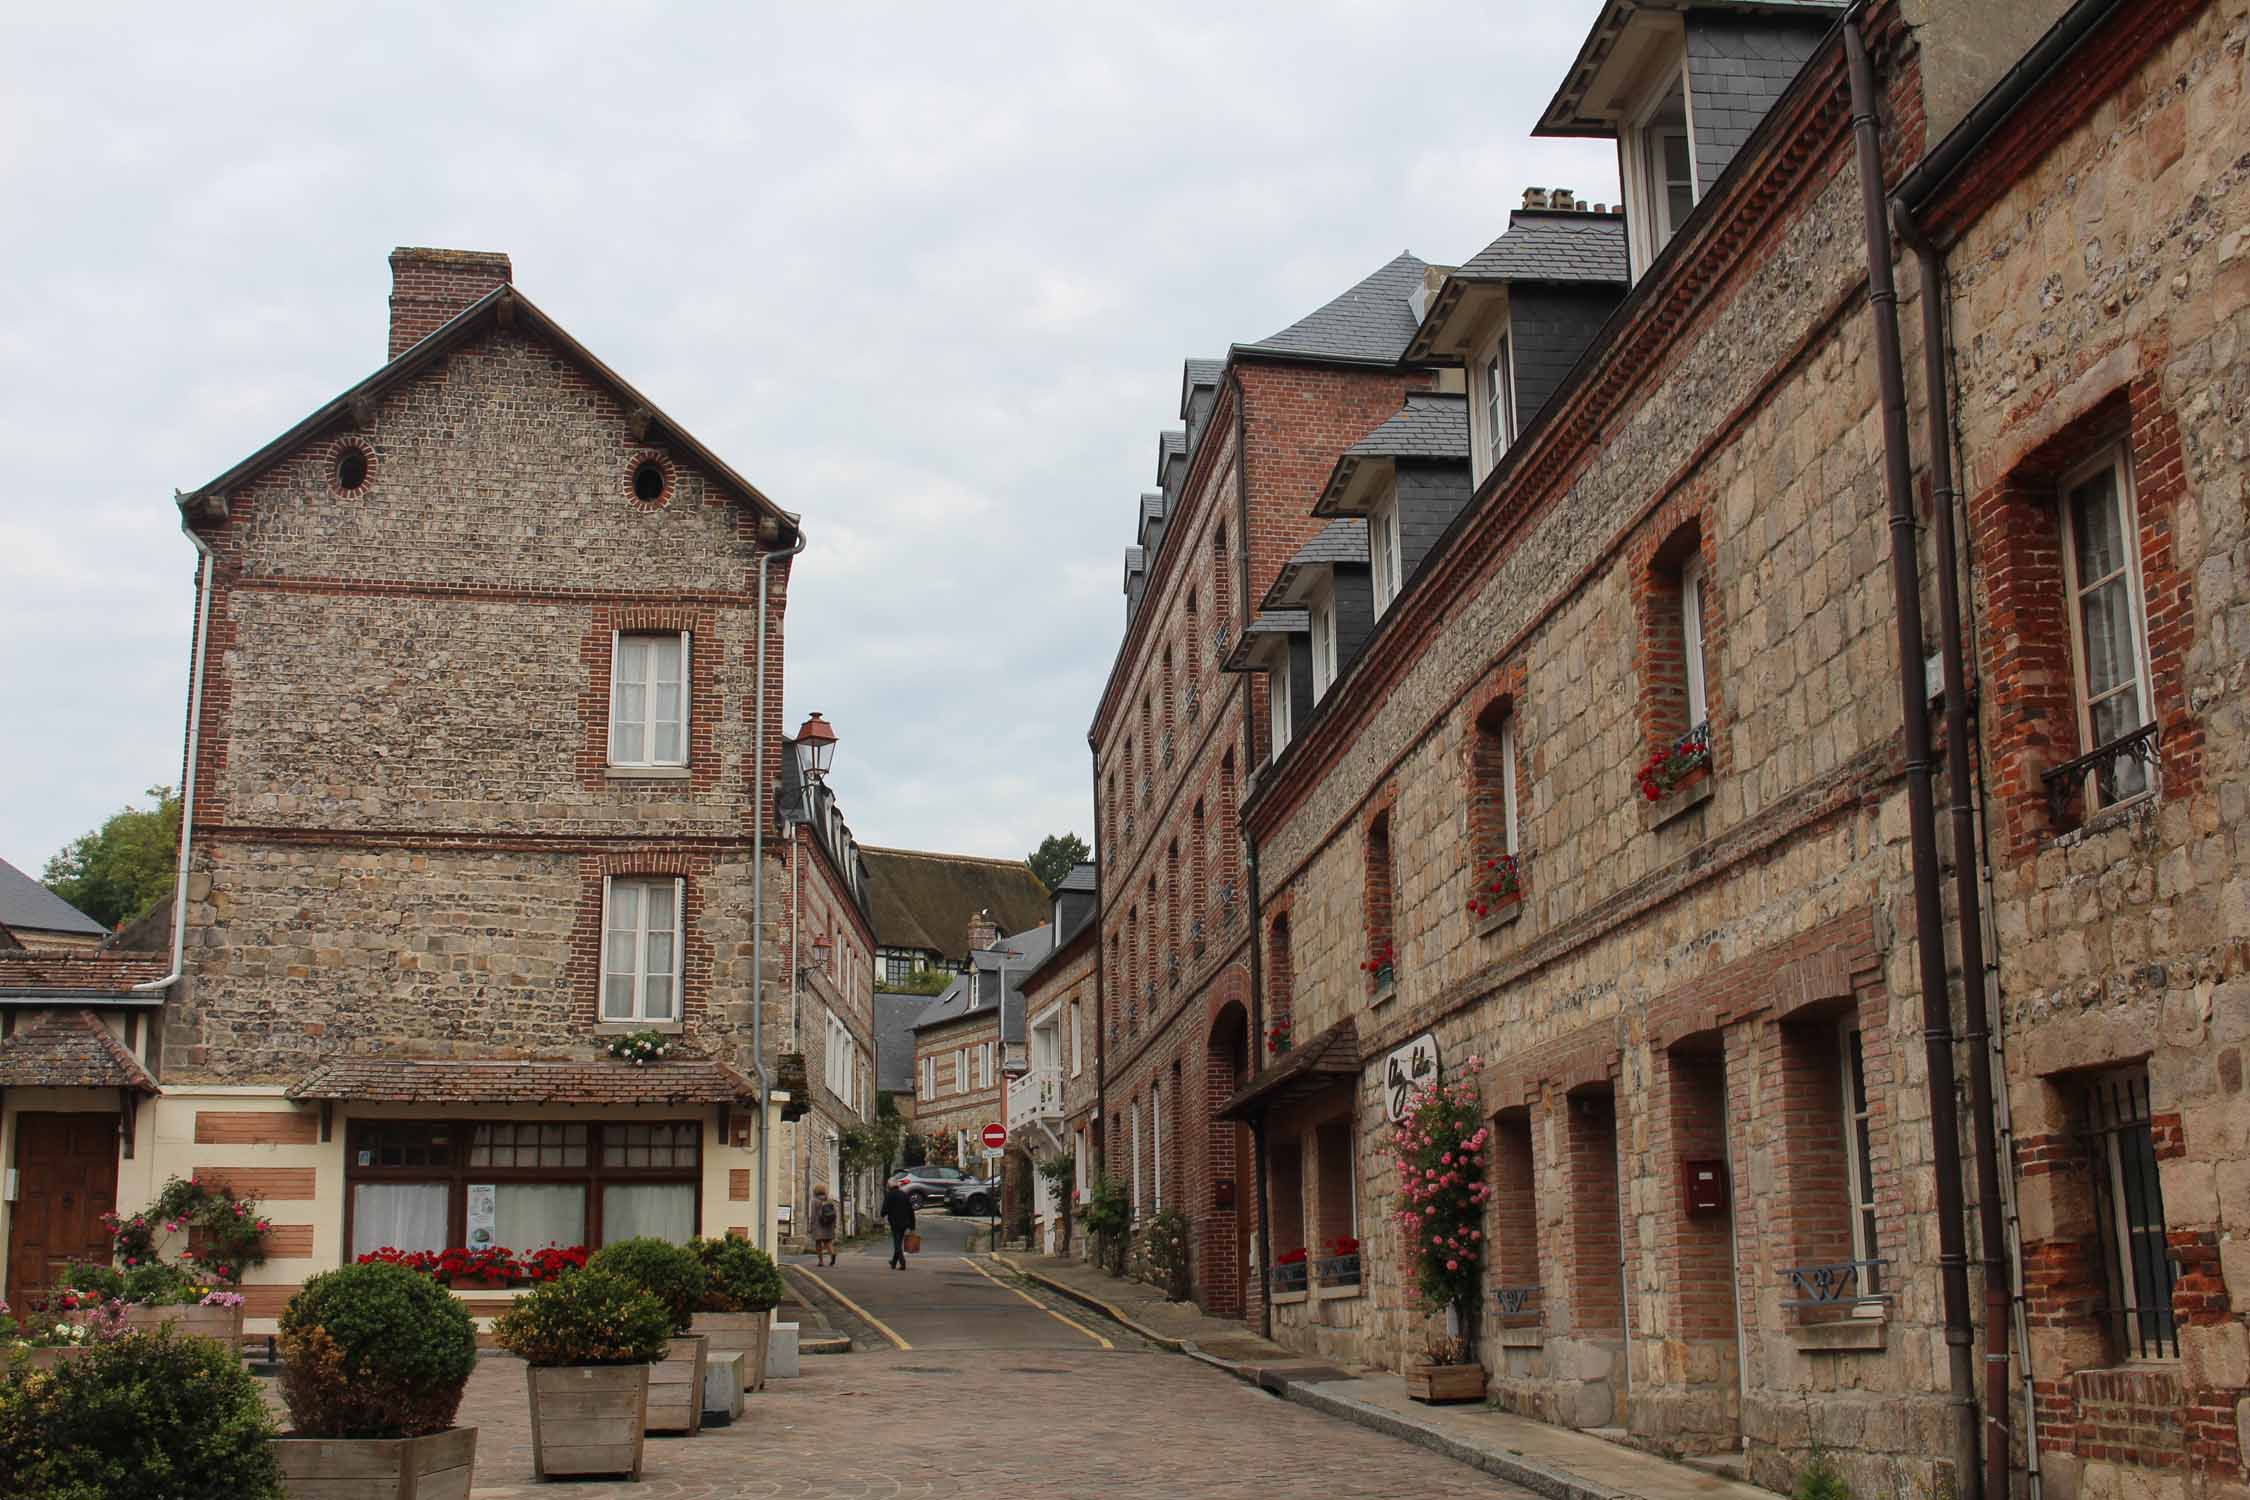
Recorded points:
(1224, 1235)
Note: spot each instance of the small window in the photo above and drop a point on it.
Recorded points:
(1278, 696)
(1322, 617)
(1497, 398)
(1156, 1142)
(2109, 625)
(1691, 639)
(1077, 1039)
(650, 481)
(1136, 1160)
(2137, 1266)
(641, 950)
(1383, 553)
(648, 699)
(1659, 174)
(960, 1070)
(1859, 1155)
(351, 468)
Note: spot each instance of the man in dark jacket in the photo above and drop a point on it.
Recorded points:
(898, 1212)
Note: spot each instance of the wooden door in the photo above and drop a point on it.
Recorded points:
(66, 1179)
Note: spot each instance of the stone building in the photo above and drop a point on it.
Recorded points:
(928, 908)
(962, 1043)
(1649, 684)
(1052, 1106)
(474, 783)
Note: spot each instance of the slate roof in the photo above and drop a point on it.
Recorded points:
(1197, 373)
(1553, 245)
(1343, 540)
(895, 1015)
(1427, 426)
(70, 1049)
(28, 906)
(1083, 876)
(105, 975)
(1329, 1060)
(1169, 445)
(1562, 117)
(952, 1002)
(1369, 324)
(399, 1080)
(1152, 509)
(923, 900)
(1023, 952)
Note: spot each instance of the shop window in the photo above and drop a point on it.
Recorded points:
(2137, 1268)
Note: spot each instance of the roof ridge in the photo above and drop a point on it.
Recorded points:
(982, 859)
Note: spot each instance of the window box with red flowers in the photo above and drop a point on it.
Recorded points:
(1291, 1276)
(1381, 969)
(485, 1269)
(1498, 897)
(1278, 1037)
(1676, 777)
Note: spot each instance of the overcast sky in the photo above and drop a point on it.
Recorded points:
(925, 274)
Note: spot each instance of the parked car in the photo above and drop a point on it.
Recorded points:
(973, 1196)
(928, 1184)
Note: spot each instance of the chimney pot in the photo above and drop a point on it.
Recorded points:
(429, 287)
(1564, 198)
(983, 931)
(1534, 197)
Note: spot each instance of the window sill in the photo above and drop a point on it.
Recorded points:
(1339, 1293)
(647, 773)
(1383, 996)
(2116, 815)
(1501, 917)
(1290, 1299)
(1533, 1337)
(1841, 1336)
(627, 1028)
(1677, 803)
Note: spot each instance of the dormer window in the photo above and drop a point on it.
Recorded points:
(1659, 173)
(1495, 400)
(1321, 616)
(1383, 552)
(1278, 688)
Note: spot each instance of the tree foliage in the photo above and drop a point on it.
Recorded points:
(1056, 855)
(125, 866)
(921, 982)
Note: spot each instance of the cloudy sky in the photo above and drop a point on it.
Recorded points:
(923, 273)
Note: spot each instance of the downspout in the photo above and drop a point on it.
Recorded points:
(1929, 912)
(1250, 872)
(762, 790)
(1968, 862)
(1101, 973)
(187, 780)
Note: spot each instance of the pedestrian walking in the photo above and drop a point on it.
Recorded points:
(898, 1212)
(823, 1227)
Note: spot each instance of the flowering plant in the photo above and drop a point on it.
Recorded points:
(487, 1263)
(1667, 767)
(1341, 1246)
(95, 1323)
(1439, 1155)
(1382, 961)
(424, 1261)
(226, 1234)
(1294, 1257)
(1499, 883)
(1277, 1036)
(1165, 1242)
(547, 1264)
(221, 1299)
(640, 1047)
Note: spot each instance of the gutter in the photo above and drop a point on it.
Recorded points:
(188, 780)
(762, 792)
(1929, 910)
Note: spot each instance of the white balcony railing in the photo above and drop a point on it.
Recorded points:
(1036, 1096)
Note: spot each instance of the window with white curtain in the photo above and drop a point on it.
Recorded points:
(1136, 1160)
(1156, 1141)
(2108, 623)
(1277, 690)
(1383, 553)
(648, 699)
(1077, 1039)
(1322, 617)
(929, 1078)
(1691, 639)
(660, 1210)
(399, 1216)
(641, 949)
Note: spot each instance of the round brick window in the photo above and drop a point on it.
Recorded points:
(351, 468)
(652, 480)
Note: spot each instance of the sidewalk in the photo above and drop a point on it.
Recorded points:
(1556, 1462)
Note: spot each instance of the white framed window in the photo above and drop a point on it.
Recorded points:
(960, 1070)
(1077, 1039)
(2137, 1268)
(1136, 1160)
(1859, 1154)
(984, 1065)
(648, 698)
(1156, 1143)
(1277, 697)
(641, 949)
(1085, 1167)
(2108, 622)
(1691, 638)
(1658, 164)
(1322, 616)
(842, 1065)
(1508, 783)
(929, 1078)
(1495, 403)
(1385, 558)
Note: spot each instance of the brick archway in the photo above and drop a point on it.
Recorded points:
(1223, 1236)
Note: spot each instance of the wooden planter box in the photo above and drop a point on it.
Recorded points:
(47, 1359)
(675, 1387)
(478, 1284)
(587, 1419)
(438, 1467)
(1436, 1385)
(221, 1323)
(744, 1333)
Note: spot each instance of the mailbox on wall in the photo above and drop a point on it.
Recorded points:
(1705, 1184)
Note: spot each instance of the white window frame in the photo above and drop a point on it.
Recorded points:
(1691, 640)
(1085, 1165)
(1647, 199)
(1136, 1161)
(1156, 1142)
(929, 1078)
(1495, 375)
(1859, 1152)
(1077, 1039)
(1508, 782)
(2115, 459)
(1284, 725)
(984, 1065)
(647, 758)
(1320, 616)
(1386, 562)
(960, 1070)
(639, 1011)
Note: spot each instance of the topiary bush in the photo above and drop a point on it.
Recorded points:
(152, 1414)
(589, 1317)
(739, 1273)
(374, 1351)
(672, 1274)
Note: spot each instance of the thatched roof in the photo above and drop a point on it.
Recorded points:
(922, 900)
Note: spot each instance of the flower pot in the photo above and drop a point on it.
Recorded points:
(478, 1283)
(1437, 1385)
(587, 1419)
(675, 1388)
(441, 1466)
(743, 1333)
(221, 1323)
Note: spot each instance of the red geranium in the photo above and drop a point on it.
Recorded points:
(547, 1264)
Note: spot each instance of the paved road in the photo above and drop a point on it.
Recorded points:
(995, 1395)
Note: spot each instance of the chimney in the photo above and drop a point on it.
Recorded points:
(1534, 197)
(983, 931)
(428, 287)
(1564, 198)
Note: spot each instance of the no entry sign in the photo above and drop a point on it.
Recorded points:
(995, 1136)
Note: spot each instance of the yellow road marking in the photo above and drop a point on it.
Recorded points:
(1035, 1302)
(861, 1313)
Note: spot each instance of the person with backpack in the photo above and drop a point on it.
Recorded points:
(823, 1227)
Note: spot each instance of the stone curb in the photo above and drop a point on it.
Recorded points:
(1554, 1484)
(1110, 1311)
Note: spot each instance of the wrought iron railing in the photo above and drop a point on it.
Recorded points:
(1293, 1277)
(1194, 697)
(1843, 1284)
(1172, 969)
(2121, 770)
(1226, 902)
(1167, 749)
(1515, 1301)
(1339, 1270)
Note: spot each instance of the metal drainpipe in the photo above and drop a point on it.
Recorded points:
(188, 778)
(1929, 913)
(1101, 974)
(1256, 907)
(1968, 863)
(762, 790)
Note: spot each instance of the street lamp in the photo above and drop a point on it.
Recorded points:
(816, 748)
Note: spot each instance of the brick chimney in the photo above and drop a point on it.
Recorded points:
(1534, 197)
(1564, 198)
(428, 287)
(983, 931)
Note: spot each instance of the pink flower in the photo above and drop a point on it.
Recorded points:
(1453, 1265)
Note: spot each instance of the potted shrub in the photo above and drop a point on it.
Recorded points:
(148, 1414)
(736, 1313)
(374, 1359)
(588, 1337)
(1439, 1157)
(674, 1276)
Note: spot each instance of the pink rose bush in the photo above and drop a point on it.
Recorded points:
(1439, 1154)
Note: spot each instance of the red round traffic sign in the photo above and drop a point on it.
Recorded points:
(995, 1136)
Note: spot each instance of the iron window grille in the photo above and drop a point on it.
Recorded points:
(1847, 1283)
(2121, 770)
(1293, 1277)
(1515, 1301)
(1167, 747)
(1194, 696)
(1340, 1270)
(2137, 1268)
